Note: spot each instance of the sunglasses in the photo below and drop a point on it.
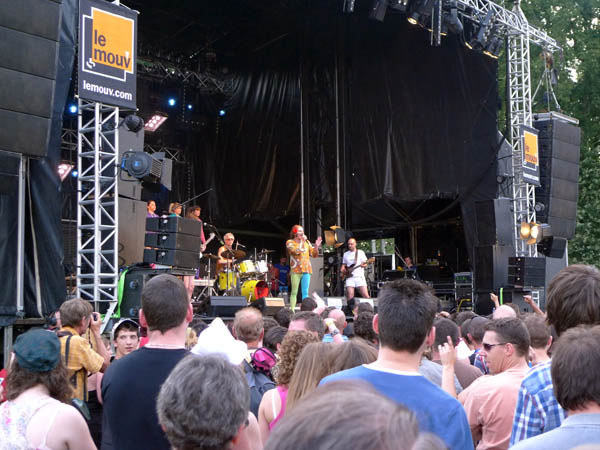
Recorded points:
(488, 347)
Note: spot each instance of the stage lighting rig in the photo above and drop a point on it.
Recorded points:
(142, 166)
(535, 233)
(335, 238)
(421, 12)
(133, 123)
(378, 10)
(451, 20)
(156, 121)
(493, 47)
(399, 5)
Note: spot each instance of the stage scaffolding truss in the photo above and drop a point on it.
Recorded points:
(97, 205)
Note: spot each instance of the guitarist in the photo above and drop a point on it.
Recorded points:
(353, 272)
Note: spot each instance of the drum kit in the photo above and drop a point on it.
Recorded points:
(246, 276)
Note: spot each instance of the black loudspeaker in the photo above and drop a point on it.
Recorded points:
(132, 221)
(272, 305)
(494, 222)
(9, 173)
(525, 271)
(559, 143)
(491, 267)
(175, 224)
(131, 301)
(176, 258)
(179, 241)
(226, 306)
(29, 35)
(553, 247)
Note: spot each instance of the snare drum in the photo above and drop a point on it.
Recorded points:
(227, 280)
(261, 266)
(246, 268)
(255, 289)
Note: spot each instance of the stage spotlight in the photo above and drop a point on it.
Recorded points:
(142, 166)
(534, 233)
(172, 101)
(378, 10)
(63, 170)
(190, 106)
(222, 112)
(335, 238)
(74, 173)
(348, 6)
(421, 12)
(73, 108)
(399, 5)
(156, 121)
(133, 123)
(494, 47)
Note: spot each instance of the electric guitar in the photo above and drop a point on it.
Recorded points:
(211, 236)
(350, 269)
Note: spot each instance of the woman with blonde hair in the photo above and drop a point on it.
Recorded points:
(175, 209)
(313, 365)
(273, 403)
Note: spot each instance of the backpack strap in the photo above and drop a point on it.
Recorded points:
(73, 378)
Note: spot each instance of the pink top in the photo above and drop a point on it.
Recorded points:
(283, 391)
(490, 403)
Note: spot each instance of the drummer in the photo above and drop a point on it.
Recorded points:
(226, 260)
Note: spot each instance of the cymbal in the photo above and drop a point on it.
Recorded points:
(209, 255)
(239, 254)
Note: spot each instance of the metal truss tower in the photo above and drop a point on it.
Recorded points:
(97, 205)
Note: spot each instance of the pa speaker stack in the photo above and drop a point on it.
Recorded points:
(559, 140)
(173, 241)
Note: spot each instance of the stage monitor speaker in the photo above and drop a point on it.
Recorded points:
(559, 143)
(132, 221)
(173, 224)
(553, 247)
(226, 306)
(491, 267)
(272, 305)
(525, 271)
(29, 35)
(494, 222)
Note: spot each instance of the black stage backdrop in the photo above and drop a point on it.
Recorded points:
(43, 234)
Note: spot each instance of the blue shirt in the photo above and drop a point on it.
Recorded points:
(537, 410)
(329, 338)
(436, 411)
(283, 272)
(576, 430)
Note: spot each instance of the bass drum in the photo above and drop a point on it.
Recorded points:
(255, 289)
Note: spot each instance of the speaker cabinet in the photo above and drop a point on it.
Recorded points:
(524, 271)
(226, 306)
(494, 222)
(135, 279)
(132, 221)
(491, 267)
(29, 35)
(559, 143)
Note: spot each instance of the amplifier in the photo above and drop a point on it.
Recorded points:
(179, 241)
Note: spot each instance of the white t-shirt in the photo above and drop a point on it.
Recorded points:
(359, 272)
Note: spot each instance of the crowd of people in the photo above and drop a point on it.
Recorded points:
(403, 376)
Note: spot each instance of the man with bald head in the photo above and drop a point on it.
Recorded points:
(353, 269)
(336, 322)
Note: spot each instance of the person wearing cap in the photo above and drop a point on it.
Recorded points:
(81, 356)
(131, 384)
(36, 413)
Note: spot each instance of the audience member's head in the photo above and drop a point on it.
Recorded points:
(464, 331)
(576, 383)
(362, 307)
(504, 312)
(352, 354)
(443, 329)
(38, 361)
(308, 304)
(326, 311)
(165, 304)
(476, 330)
(462, 316)
(363, 327)
(248, 326)
(505, 344)
(126, 337)
(573, 298)
(333, 417)
(74, 311)
(339, 319)
(203, 403)
(191, 338)
(198, 325)
(274, 337)
(314, 364)
(308, 321)
(292, 345)
(405, 316)
(539, 331)
(268, 323)
(283, 317)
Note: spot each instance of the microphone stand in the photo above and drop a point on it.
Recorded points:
(199, 195)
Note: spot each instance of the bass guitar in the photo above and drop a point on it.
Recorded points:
(350, 269)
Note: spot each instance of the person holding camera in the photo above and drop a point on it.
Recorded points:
(80, 355)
